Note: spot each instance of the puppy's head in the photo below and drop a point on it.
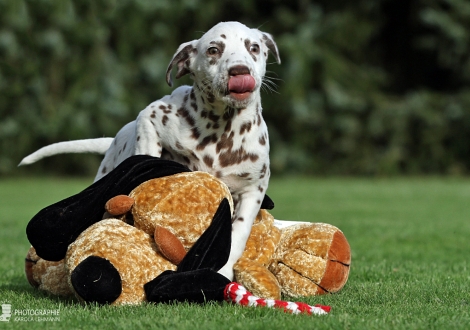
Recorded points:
(227, 63)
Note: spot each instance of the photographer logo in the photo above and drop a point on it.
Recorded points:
(6, 313)
(29, 315)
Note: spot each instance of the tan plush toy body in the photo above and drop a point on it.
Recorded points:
(169, 214)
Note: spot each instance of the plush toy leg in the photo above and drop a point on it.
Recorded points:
(56, 226)
(95, 279)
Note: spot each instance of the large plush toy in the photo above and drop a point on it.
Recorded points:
(166, 233)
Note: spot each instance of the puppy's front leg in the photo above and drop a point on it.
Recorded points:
(245, 213)
(147, 139)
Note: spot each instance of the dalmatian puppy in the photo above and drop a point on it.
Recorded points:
(215, 126)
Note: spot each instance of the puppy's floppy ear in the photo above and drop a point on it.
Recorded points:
(269, 42)
(181, 59)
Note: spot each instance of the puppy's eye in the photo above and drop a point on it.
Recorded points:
(213, 51)
(254, 49)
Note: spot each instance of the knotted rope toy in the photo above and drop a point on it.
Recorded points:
(237, 294)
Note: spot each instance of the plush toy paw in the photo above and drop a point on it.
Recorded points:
(251, 269)
(48, 276)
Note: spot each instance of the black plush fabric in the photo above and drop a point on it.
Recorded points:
(196, 279)
(56, 226)
(267, 203)
(95, 279)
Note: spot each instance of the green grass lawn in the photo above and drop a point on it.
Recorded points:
(410, 239)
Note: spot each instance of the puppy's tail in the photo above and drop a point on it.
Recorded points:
(99, 146)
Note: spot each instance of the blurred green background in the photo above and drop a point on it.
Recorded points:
(366, 87)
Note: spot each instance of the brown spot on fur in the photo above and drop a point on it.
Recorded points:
(210, 97)
(263, 171)
(212, 116)
(223, 36)
(195, 133)
(104, 170)
(228, 114)
(262, 140)
(208, 160)
(178, 146)
(225, 142)
(185, 114)
(208, 139)
(228, 126)
(164, 120)
(236, 157)
(245, 127)
(253, 157)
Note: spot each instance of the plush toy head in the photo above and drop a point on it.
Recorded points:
(311, 259)
(180, 206)
(299, 260)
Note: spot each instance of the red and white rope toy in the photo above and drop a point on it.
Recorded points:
(237, 294)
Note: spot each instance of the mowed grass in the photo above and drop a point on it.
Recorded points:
(410, 240)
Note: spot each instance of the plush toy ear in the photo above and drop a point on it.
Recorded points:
(196, 279)
(52, 230)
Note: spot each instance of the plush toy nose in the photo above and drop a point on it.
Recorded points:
(95, 279)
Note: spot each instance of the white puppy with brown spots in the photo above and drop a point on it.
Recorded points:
(214, 126)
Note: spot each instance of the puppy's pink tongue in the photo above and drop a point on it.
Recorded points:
(241, 83)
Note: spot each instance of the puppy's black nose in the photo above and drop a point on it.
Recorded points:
(238, 70)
